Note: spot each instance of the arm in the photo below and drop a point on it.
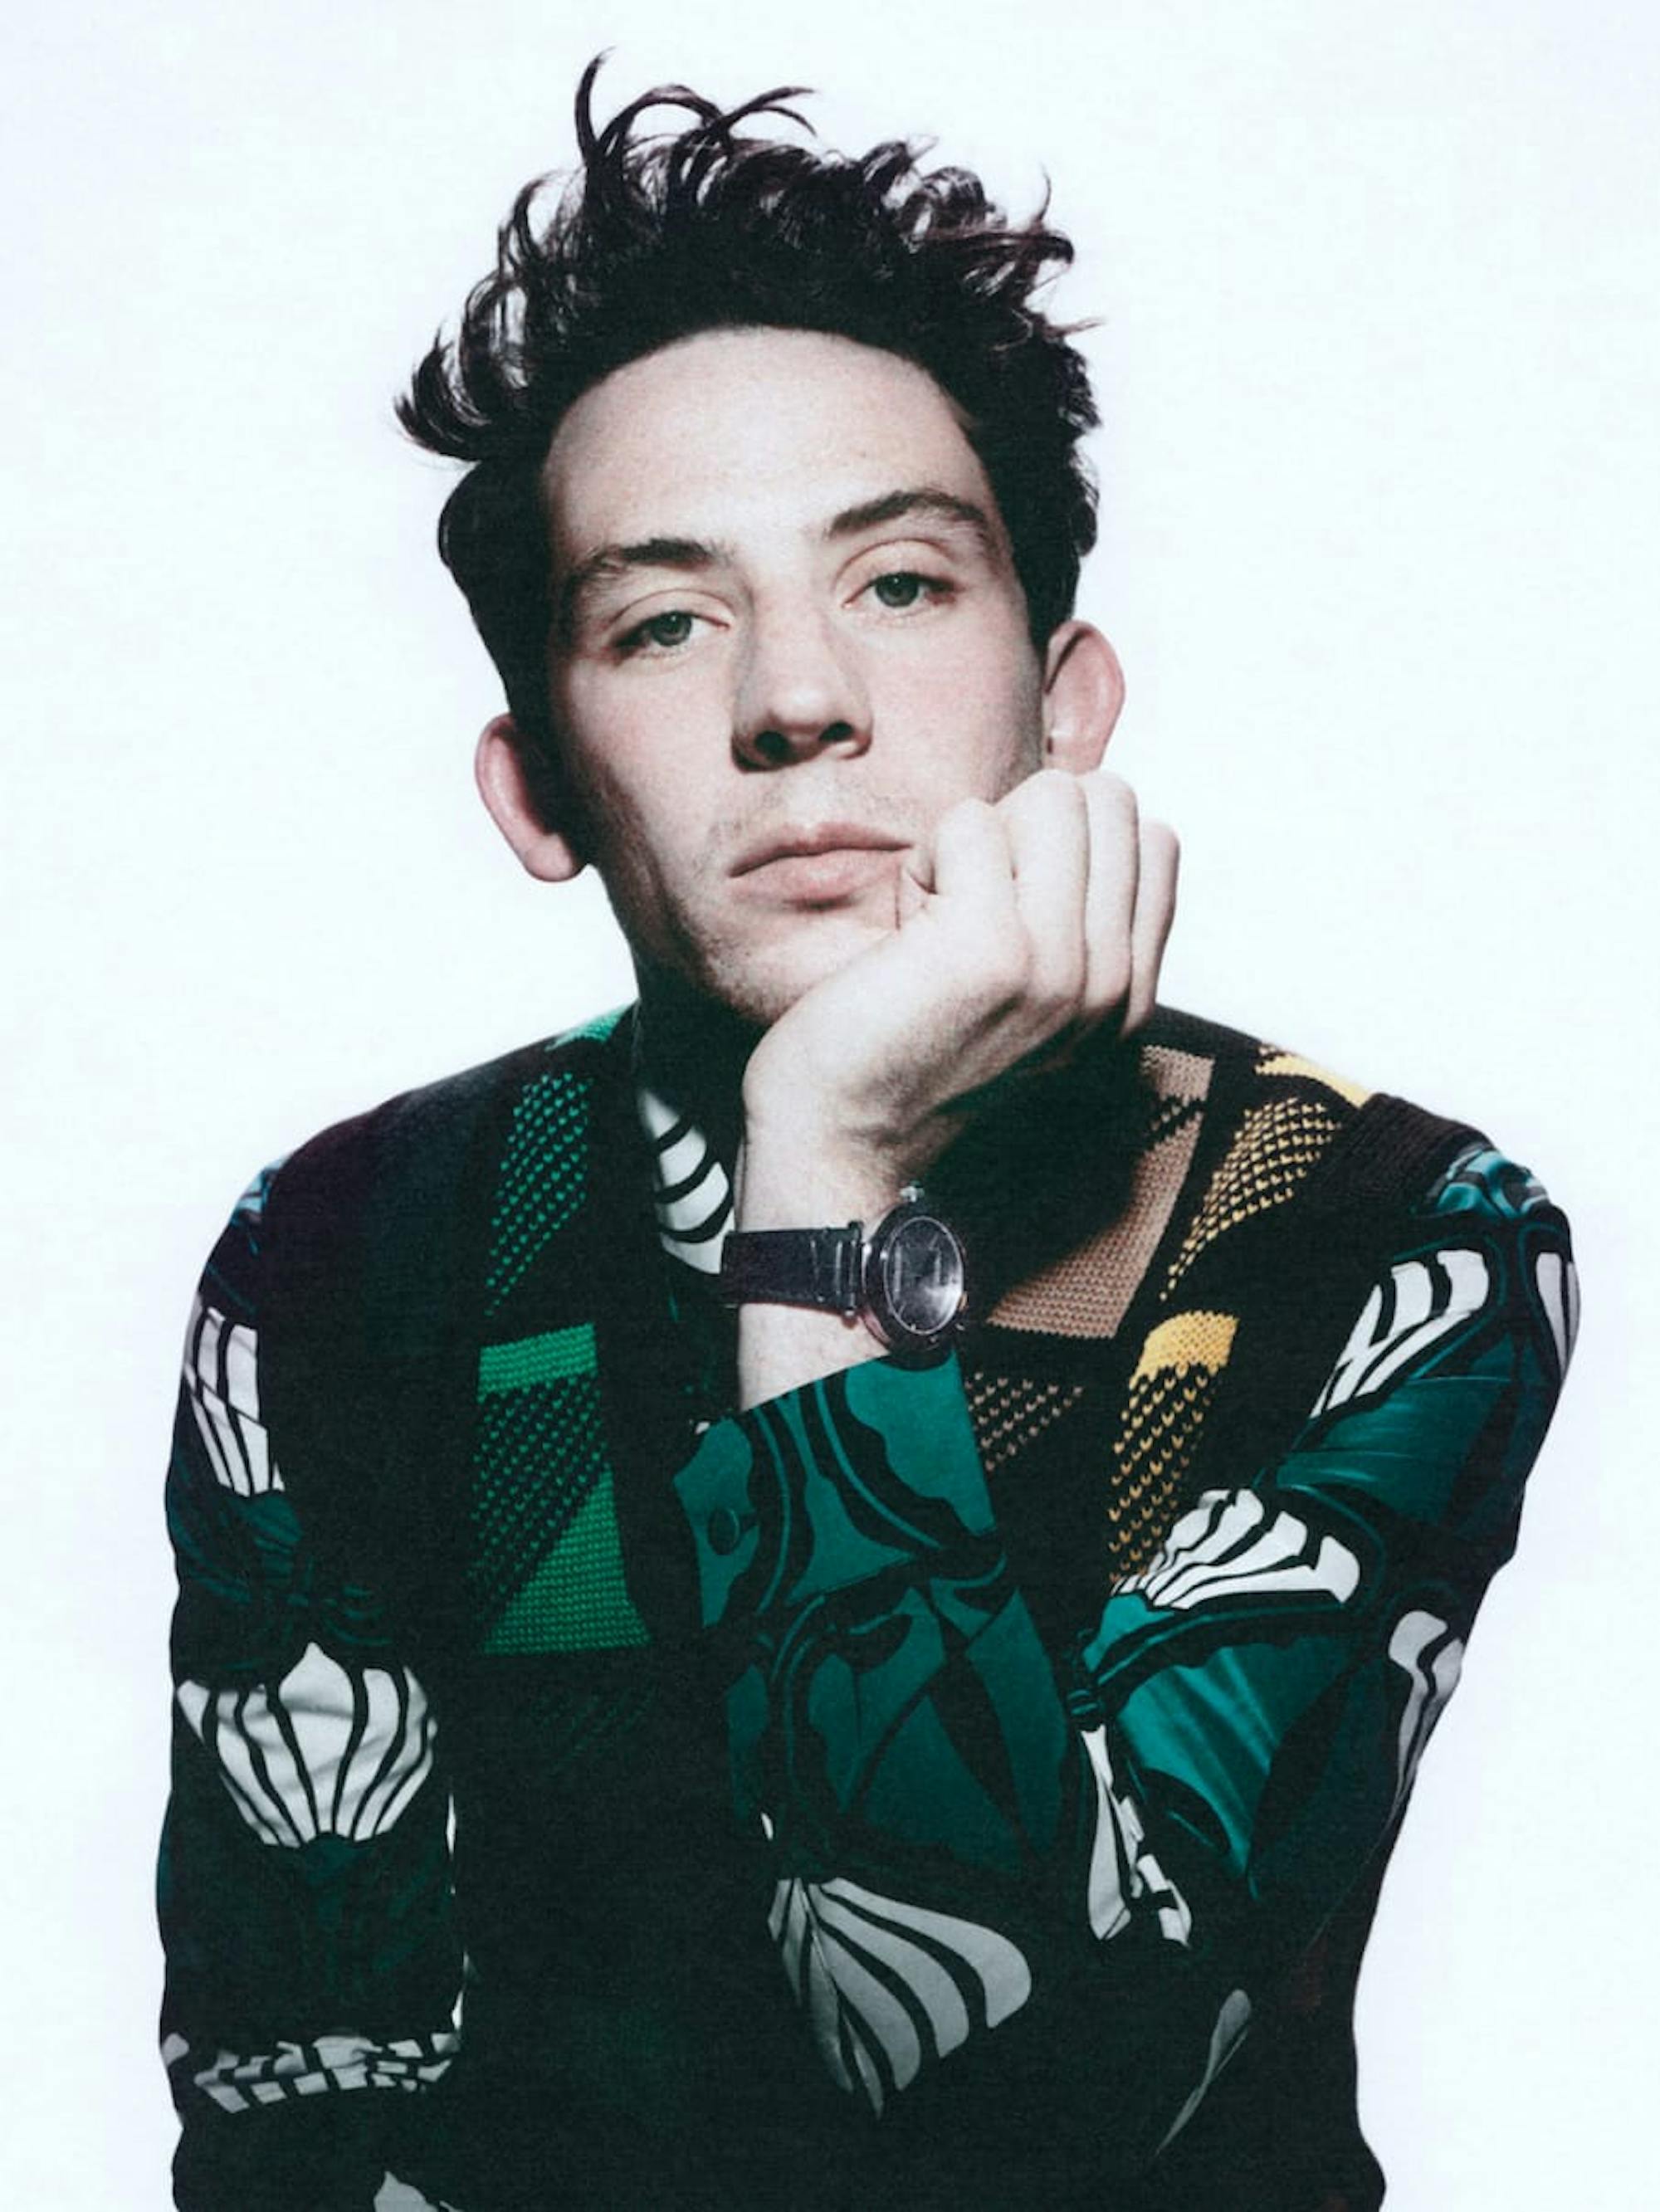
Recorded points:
(303, 1880)
(1132, 1846)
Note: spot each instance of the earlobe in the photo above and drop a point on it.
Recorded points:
(1083, 691)
(516, 803)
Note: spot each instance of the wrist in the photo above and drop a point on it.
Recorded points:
(786, 1181)
(904, 1275)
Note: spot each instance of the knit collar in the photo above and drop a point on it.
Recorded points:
(688, 1065)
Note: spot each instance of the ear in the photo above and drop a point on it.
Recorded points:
(508, 787)
(1083, 691)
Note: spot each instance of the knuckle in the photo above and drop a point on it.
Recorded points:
(1111, 791)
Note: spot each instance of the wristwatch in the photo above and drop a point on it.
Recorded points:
(906, 1280)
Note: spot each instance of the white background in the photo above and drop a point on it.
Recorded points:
(1379, 486)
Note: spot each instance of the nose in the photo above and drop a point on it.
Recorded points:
(800, 693)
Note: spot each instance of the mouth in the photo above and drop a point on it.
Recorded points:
(827, 864)
(815, 841)
(820, 865)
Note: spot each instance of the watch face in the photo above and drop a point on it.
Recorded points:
(922, 1265)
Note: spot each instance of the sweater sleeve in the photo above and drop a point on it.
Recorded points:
(304, 1884)
(1131, 1842)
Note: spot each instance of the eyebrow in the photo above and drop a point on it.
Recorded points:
(923, 499)
(609, 562)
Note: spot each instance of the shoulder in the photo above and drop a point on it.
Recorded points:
(1415, 1220)
(421, 1148)
(1236, 1175)
(403, 1169)
(433, 1114)
(1276, 1117)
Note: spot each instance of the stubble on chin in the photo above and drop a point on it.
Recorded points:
(759, 977)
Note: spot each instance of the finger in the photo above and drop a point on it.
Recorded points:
(1155, 910)
(1046, 819)
(971, 869)
(1109, 908)
(912, 888)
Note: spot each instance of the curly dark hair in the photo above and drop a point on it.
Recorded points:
(656, 238)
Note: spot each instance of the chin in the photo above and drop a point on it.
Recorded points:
(760, 988)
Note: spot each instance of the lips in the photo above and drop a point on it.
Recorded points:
(820, 865)
(809, 841)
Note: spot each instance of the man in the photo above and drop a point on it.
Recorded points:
(711, 1707)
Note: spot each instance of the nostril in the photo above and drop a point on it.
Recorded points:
(772, 746)
(835, 733)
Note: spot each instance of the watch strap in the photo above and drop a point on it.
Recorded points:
(819, 1267)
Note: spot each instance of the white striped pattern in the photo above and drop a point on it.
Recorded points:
(327, 1753)
(1434, 1674)
(1229, 1545)
(222, 1380)
(1558, 1283)
(686, 1223)
(1122, 1873)
(310, 2069)
(1426, 1300)
(844, 1947)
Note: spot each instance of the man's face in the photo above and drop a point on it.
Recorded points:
(789, 636)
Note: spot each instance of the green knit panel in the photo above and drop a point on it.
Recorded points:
(545, 1569)
(543, 1177)
(557, 1356)
(577, 1600)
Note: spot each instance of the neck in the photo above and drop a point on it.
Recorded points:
(694, 1051)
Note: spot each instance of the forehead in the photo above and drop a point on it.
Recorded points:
(741, 433)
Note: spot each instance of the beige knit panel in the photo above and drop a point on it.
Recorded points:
(1010, 1411)
(1170, 1394)
(1087, 1292)
(1276, 1146)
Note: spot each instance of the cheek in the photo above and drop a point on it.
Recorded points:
(981, 724)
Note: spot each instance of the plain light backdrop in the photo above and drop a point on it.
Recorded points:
(1379, 321)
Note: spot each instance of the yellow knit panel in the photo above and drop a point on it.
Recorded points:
(1185, 1341)
(1012, 1411)
(1276, 1146)
(1169, 1394)
(1274, 1062)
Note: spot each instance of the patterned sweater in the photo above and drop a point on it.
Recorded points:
(967, 1786)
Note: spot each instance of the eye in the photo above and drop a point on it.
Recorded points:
(658, 633)
(903, 588)
(904, 591)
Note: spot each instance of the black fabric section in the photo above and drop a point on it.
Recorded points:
(650, 1390)
(376, 1235)
(1277, 2131)
(328, 2153)
(1049, 1498)
(1045, 1167)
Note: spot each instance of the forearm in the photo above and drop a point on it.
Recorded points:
(1244, 1720)
(304, 1880)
